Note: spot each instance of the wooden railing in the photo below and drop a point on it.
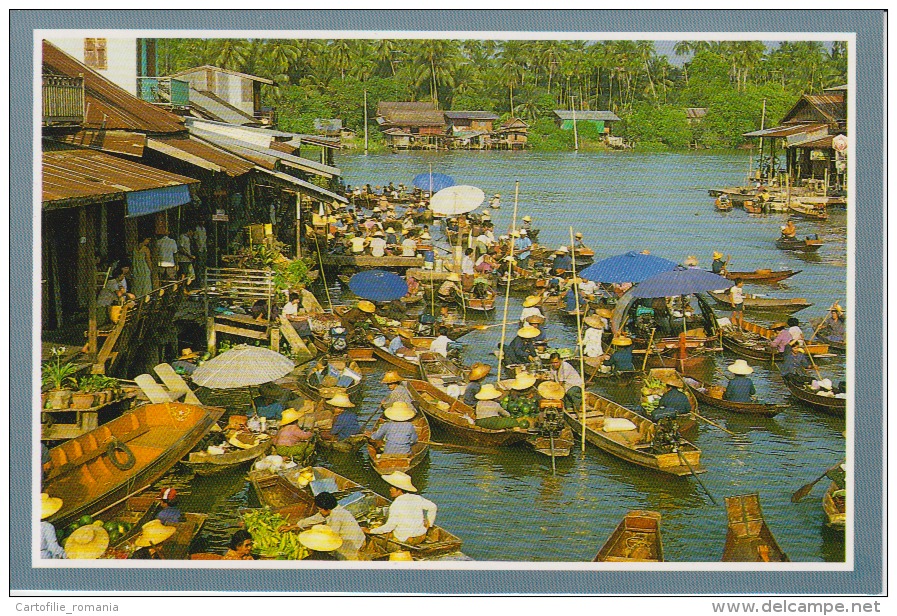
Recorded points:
(63, 99)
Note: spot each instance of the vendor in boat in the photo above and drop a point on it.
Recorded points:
(489, 413)
(673, 400)
(740, 388)
(592, 343)
(49, 546)
(345, 423)
(169, 513)
(397, 390)
(578, 244)
(539, 341)
(789, 231)
(523, 389)
(186, 362)
(240, 546)
(393, 239)
(562, 261)
(292, 439)
(834, 330)
(531, 308)
(359, 315)
(398, 434)
(521, 350)
(409, 244)
(783, 337)
(443, 344)
(522, 248)
(797, 334)
(795, 359)
(467, 269)
(570, 297)
(450, 288)
(736, 296)
(718, 266)
(477, 373)
(486, 264)
(411, 516)
(566, 375)
(338, 520)
(149, 543)
(621, 359)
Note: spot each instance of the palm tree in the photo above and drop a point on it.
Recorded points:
(512, 70)
(436, 61)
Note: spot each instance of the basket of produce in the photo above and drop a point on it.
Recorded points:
(269, 542)
(652, 390)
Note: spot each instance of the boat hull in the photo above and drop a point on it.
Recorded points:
(385, 464)
(830, 406)
(761, 276)
(835, 509)
(744, 408)
(748, 538)
(203, 463)
(636, 539)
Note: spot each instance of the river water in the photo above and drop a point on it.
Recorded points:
(508, 506)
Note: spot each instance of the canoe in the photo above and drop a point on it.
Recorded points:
(748, 538)
(753, 343)
(762, 275)
(704, 394)
(835, 508)
(633, 446)
(157, 435)
(686, 422)
(404, 364)
(285, 493)
(811, 212)
(384, 464)
(828, 405)
(205, 463)
(439, 370)
(635, 540)
(550, 441)
(477, 304)
(764, 304)
(797, 245)
(144, 510)
(349, 372)
(592, 370)
(455, 417)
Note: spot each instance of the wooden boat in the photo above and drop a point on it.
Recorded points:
(828, 405)
(725, 205)
(205, 463)
(439, 370)
(408, 365)
(635, 540)
(553, 443)
(311, 379)
(706, 395)
(764, 304)
(808, 244)
(753, 343)
(748, 538)
(142, 509)
(325, 441)
(805, 210)
(592, 370)
(84, 475)
(835, 508)
(633, 446)
(286, 493)
(384, 464)
(477, 304)
(836, 345)
(688, 422)
(457, 418)
(762, 275)
(753, 207)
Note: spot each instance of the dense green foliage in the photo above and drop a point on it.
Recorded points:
(529, 79)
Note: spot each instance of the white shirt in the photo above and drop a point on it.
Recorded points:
(467, 266)
(736, 294)
(567, 376)
(440, 345)
(485, 240)
(588, 287)
(166, 247)
(409, 247)
(341, 522)
(378, 247)
(796, 332)
(591, 342)
(406, 517)
(357, 244)
(532, 311)
(290, 309)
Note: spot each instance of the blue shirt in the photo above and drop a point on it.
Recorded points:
(740, 389)
(621, 359)
(270, 411)
(395, 344)
(562, 262)
(399, 436)
(675, 400)
(473, 388)
(49, 547)
(570, 298)
(794, 362)
(169, 516)
(519, 351)
(716, 266)
(522, 246)
(345, 425)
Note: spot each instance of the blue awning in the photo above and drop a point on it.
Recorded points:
(143, 202)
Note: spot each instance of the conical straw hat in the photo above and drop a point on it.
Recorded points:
(399, 411)
(321, 538)
(551, 390)
(740, 367)
(154, 533)
(524, 380)
(49, 505)
(488, 392)
(399, 480)
(87, 543)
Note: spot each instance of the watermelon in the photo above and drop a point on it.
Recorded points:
(85, 520)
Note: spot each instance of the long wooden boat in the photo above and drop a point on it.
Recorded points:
(762, 275)
(836, 345)
(205, 463)
(753, 343)
(457, 418)
(477, 304)
(835, 508)
(748, 538)
(404, 364)
(176, 547)
(689, 422)
(311, 379)
(292, 497)
(555, 444)
(83, 474)
(802, 210)
(635, 540)
(753, 303)
(385, 464)
(828, 405)
(705, 394)
(633, 446)
(798, 245)
(439, 370)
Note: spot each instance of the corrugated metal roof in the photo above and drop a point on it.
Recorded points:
(107, 105)
(471, 115)
(186, 148)
(830, 105)
(415, 117)
(306, 185)
(219, 109)
(606, 116)
(514, 123)
(385, 107)
(207, 67)
(785, 130)
(114, 141)
(72, 177)
(821, 144)
(197, 123)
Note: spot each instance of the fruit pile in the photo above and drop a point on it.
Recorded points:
(269, 542)
(520, 407)
(652, 391)
(116, 529)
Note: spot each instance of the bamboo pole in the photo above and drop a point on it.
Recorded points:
(582, 368)
(504, 318)
(365, 122)
(323, 275)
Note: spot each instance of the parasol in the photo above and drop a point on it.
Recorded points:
(242, 366)
(680, 281)
(433, 182)
(457, 200)
(378, 286)
(631, 267)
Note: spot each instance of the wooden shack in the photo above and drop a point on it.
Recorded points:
(512, 135)
(412, 125)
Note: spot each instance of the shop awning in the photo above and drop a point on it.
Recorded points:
(322, 193)
(155, 200)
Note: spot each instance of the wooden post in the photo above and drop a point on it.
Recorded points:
(275, 338)
(298, 225)
(575, 133)
(582, 369)
(504, 318)
(762, 126)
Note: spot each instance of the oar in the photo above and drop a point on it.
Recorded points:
(714, 424)
(819, 327)
(648, 349)
(800, 494)
(695, 475)
(812, 361)
(461, 447)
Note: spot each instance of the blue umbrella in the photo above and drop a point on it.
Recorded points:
(378, 286)
(433, 182)
(680, 281)
(631, 267)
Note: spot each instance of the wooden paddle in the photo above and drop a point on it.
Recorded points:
(461, 447)
(800, 494)
(648, 349)
(695, 475)
(715, 425)
(812, 361)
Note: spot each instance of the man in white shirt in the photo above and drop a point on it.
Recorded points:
(440, 344)
(409, 246)
(167, 248)
(592, 340)
(531, 308)
(378, 244)
(410, 515)
(357, 243)
(565, 374)
(339, 520)
(467, 270)
(736, 295)
(794, 329)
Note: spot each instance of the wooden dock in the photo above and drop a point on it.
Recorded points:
(369, 261)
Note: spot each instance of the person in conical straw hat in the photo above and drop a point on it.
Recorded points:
(398, 392)
(531, 308)
(322, 541)
(740, 388)
(673, 401)
(521, 350)
(362, 314)
(411, 516)
(152, 535)
(49, 546)
(186, 361)
(87, 543)
(489, 413)
(477, 373)
(562, 262)
(691, 262)
(592, 339)
(397, 433)
(621, 359)
(718, 266)
(338, 519)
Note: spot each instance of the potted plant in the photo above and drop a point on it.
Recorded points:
(57, 377)
(110, 387)
(86, 396)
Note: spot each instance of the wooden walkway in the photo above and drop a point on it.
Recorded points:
(369, 261)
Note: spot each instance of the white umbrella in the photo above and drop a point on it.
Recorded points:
(242, 366)
(456, 200)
